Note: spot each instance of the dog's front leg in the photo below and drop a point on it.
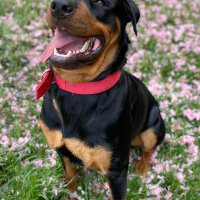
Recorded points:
(70, 173)
(117, 180)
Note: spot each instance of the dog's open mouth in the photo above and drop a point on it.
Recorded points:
(65, 50)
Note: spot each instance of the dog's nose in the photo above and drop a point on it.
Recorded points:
(61, 8)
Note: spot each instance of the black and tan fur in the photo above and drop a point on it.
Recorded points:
(98, 131)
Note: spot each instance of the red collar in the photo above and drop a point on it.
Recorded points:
(84, 88)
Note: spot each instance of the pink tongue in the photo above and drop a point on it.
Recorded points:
(59, 40)
(97, 44)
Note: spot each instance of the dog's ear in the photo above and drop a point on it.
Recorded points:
(133, 13)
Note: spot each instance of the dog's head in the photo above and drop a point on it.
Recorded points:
(88, 35)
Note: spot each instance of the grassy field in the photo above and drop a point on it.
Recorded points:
(165, 55)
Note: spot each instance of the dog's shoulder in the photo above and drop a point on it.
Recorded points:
(139, 89)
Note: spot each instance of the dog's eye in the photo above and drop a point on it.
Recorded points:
(99, 2)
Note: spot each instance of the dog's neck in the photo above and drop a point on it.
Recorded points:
(85, 88)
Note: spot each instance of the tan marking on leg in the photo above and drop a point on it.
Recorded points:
(54, 137)
(147, 140)
(70, 172)
(97, 158)
(143, 166)
(136, 142)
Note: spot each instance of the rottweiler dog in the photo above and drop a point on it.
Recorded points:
(101, 111)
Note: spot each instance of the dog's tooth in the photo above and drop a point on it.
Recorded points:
(78, 51)
(57, 54)
(74, 52)
(61, 55)
(69, 54)
(85, 46)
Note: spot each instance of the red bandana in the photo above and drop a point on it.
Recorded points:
(84, 88)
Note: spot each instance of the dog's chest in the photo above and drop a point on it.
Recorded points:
(84, 125)
(97, 158)
(77, 136)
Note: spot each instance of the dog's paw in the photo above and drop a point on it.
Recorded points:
(142, 167)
